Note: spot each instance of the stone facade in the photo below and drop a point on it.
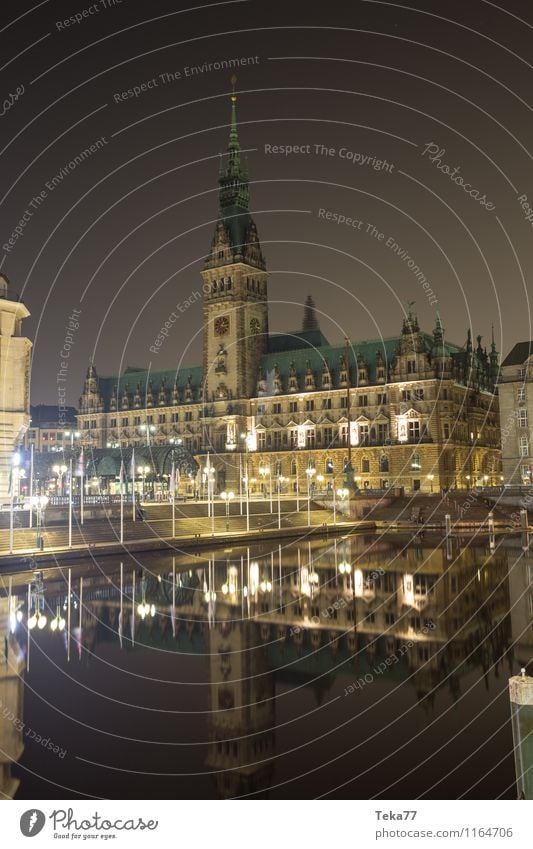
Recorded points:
(15, 363)
(516, 414)
(292, 411)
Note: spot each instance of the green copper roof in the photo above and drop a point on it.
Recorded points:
(133, 377)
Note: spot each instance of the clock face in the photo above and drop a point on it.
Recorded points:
(255, 325)
(221, 325)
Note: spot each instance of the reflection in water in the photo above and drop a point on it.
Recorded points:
(376, 664)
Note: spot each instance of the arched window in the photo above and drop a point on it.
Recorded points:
(294, 468)
(365, 465)
(329, 466)
(416, 465)
(384, 463)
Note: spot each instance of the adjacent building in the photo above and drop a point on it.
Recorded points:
(516, 414)
(51, 428)
(15, 363)
(284, 410)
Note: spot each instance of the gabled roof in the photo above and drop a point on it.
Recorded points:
(133, 376)
(518, 355)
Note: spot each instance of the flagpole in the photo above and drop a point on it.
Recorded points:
(240, 483)
(133, 482)
(173, 482)
(121, 613)
(82, 482)
(70, 505)
(121, 484)
(68, 611)
(31, 485)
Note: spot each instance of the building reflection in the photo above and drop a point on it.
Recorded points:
(311, 612)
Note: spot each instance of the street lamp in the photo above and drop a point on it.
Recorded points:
(72, 434)
(143, 471)
(264, 471)
(226, 497)
(280, 481)
(310, 471)
(60, 471)
(39, 502)
(147, 429)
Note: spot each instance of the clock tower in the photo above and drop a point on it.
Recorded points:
(235, 286)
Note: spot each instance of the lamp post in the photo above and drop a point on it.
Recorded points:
(246, 481)
(147, 429)
(227, 497)
(264, 471)
(280, 481)
(143, 471)
(310, 472)
(72, 434)
(14, 476)
(60, 472)
(343, 493)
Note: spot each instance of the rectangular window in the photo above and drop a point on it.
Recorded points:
(383, 432)
(363, 400)
(446, 430)
(309, 405)
(125, 421)
(93, 423)
(523, 446)
(522, 371)
(521, 394)
(276, 439)
(363, 434)
(149, 419)
(310, 438)
(414, 430)
(328, 436)
(136, 420)
(293, 434)
(406, 394)
(261, 440)
(112, 423)
(261, 409)
(162, 418)
(344, 402)
(175, 418)
(419, 395)
(382, 398)
(522, 418)
(411, 366)
(188, 415)
(326, 403)
(293, 406)
(276, 408)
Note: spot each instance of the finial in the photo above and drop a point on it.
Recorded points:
(233, 82)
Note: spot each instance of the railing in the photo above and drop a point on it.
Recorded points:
(88, 500)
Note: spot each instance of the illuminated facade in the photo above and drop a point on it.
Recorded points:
(289, 410)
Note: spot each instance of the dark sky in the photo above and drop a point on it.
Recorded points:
(123, 235)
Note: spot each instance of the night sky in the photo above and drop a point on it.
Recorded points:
(122, 235)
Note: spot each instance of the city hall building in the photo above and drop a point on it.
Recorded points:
(289, 411)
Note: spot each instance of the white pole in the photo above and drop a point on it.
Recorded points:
(133, 504)
(11, 518)
(121, 614)
(133, 607)
(173, 497)
(28, 632)
(279, 505)
(297, 492)
(280, 581)
(82, 484)
(70, 505)
(308, 501)
(68, 612)
(240, 483)
(247, 484)
(270, 484)
(31, 484)
(334, 505)
(121, 484)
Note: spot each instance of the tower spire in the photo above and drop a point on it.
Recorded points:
(310, 321)
(234, 147)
